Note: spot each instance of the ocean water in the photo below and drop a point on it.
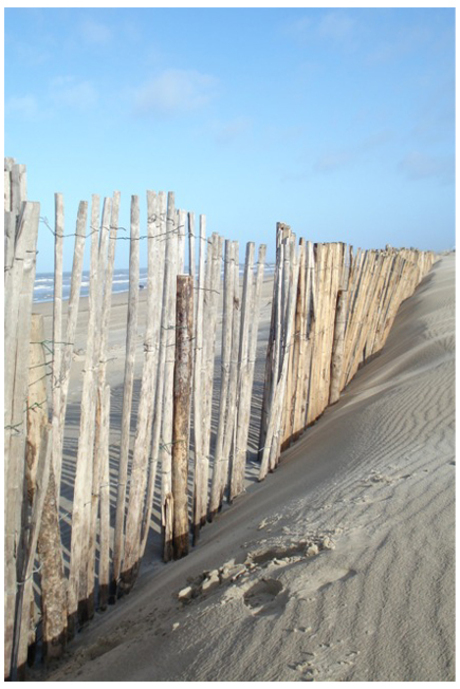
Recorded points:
(44, 282)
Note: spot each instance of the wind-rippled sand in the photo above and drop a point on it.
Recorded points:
(346, 553)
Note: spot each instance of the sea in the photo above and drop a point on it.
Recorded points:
(44, 282)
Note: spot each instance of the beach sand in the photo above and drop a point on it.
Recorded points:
(346, 552)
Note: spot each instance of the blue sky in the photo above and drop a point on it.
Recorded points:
(339, 122)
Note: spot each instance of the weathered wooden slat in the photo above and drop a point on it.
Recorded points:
(104, 492)
(269, 359)
(57, 334)
(230, 425)
(311, 315)
(181, 231)
(339, 339)
(53, 581)
(99, 380)
(249, 319)
(17, 338)
(169, 326)
(293, 396)
(290, 299)
(197, 387)
(272, 443)
(22, 619)
(191, 246)
(71, 327)
(131, 334)
(37, 417)
(81, 509)
(227, 328)
(212, 296)
(142, 442)
(18, 187)
(181, 418)
(157, 211)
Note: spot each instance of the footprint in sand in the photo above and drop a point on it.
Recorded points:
(263, 598)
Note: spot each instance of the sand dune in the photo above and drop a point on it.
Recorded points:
(345, 553)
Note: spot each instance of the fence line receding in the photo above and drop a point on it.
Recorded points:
(168, 460)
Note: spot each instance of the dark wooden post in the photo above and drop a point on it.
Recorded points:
(181, 418)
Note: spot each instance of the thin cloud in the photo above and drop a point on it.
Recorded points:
(435, 120)
(419, 166)
(31, 55)
(334, 26)
(70, 93)
(400, 45)
(95, 32)
(332, 160)
(25, 107)
(230, 132)
(175, 91)
(337, 26)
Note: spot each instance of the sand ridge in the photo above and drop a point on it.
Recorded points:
(343, 558)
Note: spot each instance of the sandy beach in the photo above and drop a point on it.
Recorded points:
(346, 553)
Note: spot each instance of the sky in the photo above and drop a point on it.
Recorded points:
(339, 122)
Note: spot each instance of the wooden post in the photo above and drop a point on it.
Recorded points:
(271, 449)
(270, 357)
(18, 187)
(230, 425)
(313, 403)
(378, 303)
(180, 224)
(302, 325)
(311, 316)
(191, 246)
(339, 335)
(227, 327)
(370, 288)
(10, 220)
(169, 324)
(297, 352)
(37, 418)
(157, 232)
(22, 619)
(131, 327)
(53, 581)
(277, 349)
(37, 402)
(249, 321)
(104, 492)
(197, 388)
(142, 442)
(81, 512)
(57, 333)
(7, 165)
(289, 303)
(212, 294)
(239, 455)
(98, 355)
(18, 307)
(181, 420)
(356, 313)
(334, 278)
(69, 344)
(324, 355)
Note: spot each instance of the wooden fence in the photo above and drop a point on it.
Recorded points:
(331, 310)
